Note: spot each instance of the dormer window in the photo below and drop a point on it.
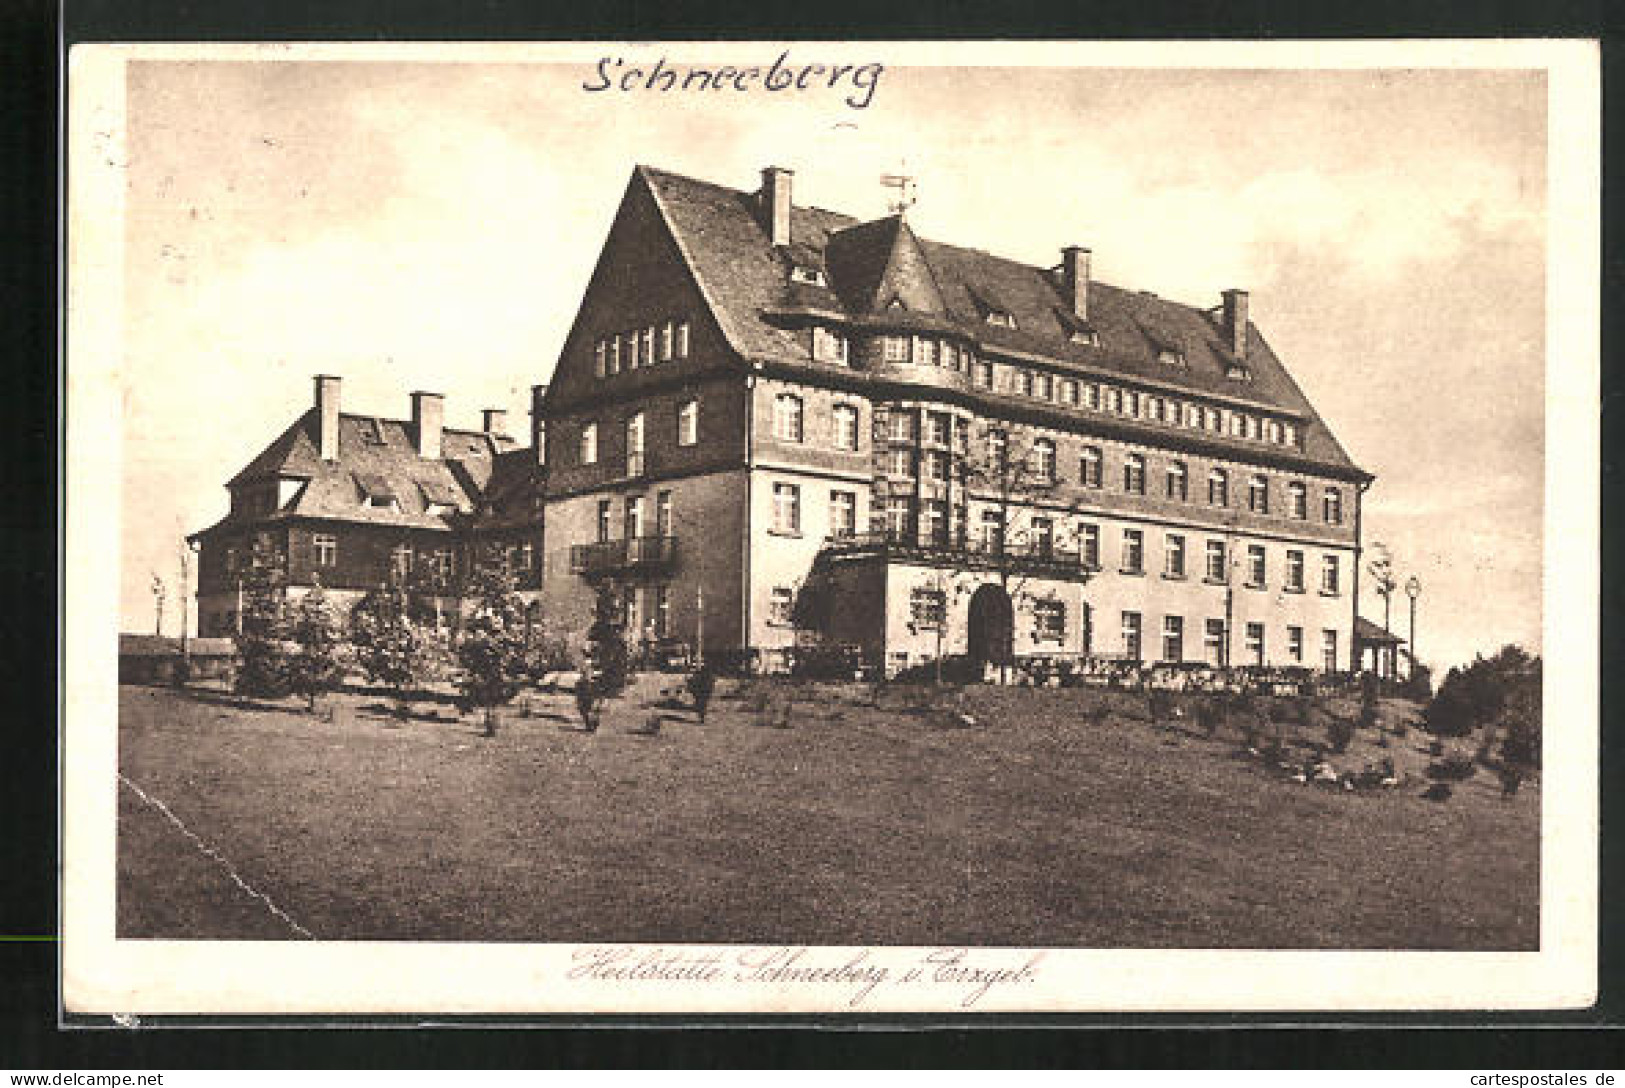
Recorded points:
(829, 346)
(1002, 318)
(439, 498)
(1171, 357)
(1238, 373)
(376, 493)
(813, 277)
(371, 433)
(1087, 337)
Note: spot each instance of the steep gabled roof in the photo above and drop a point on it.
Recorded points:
(720, 233)
(378, 459)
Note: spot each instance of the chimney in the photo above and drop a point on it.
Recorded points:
(496, 421)
(1075, 279)
(775, 198)
(327, 416)
(1235, 321)
(538, 423)
(428, 414)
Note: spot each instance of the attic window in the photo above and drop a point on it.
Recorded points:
(438, 497)
(1237, 372)
(1087, 337)
(371, 433)
(994, 311)
(801, 273)
(1002, 318)
(1170, 357)
(376, 491)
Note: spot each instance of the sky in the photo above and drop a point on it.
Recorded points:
(433, 225)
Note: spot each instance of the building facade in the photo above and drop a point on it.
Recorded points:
(355, 502)
(772, 426)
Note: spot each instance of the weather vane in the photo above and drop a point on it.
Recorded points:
(904, 184)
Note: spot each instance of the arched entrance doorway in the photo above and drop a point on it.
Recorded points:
(989, 626)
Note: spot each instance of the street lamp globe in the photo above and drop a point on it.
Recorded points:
(1413, 587)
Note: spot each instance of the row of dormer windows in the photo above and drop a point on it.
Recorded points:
(641, 348)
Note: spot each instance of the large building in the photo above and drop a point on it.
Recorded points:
(773, 425)
(354, 502)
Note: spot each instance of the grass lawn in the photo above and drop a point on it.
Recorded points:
(854, 825)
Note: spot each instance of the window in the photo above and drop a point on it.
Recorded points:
(1049, 621)
(648, 336)
(634, 445)
(1045, 387)
(1255, 565)
(846, 427)
(1173, 638)
(1255, 643)
(900, 462)
(1091, 395)
(787, 418)
(1024, 382)
(1178, 481)
(327, 551)
(927, 608)
(1294, 571)
(443, 565)
(939, 428)
(950, 356)
(1294, 645)
(935, 464)
(1253, 427)
(899, 516)
(926, 352)
(1114, 399)
(996, 446)
(1170, 357)
(1289, 435)
(843, 513)
(1090, 552)
(1044, 460)
(1213, 642)
(688, 423)
(1089, 467)
(1297, 503)
(1069, 391)
(900, 425)
(895, 349)
(632, 360)
(1235, 424)
(781, 606)
(603, 521)
(1174, 555)
(1131, 636)
(1215, 561)
(1043, 534)
(1131, 403)
(993, 531)
(662, 610)
(984, 373)
(1134, 474)
(1210, 419)
(1272, 430)
(1192, 415)
(1328, 650)
(663, 514)
(400, 561)
(1218, 488)
(614, 354)
(632, 527)
(1258, 495)
(1133, 551)
(1329, 575)
(1001, 318)
(589, 444)
(1331, 506)
(786, 508)
(600, 354)
(682, 340)
(667, 335)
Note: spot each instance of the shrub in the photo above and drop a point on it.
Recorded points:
(492, 650)
(314, 667)
(1454, 767)
(1339, 731)
(956, 669)
(389, 647)
(262, 638)
(1479, 694)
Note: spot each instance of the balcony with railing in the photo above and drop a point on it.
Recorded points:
(630, 554)
(971, 553)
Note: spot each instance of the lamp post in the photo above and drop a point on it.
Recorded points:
(1413, 590)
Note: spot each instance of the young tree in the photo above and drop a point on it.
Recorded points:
(388, 646)
(603, 674)
(1383, 579)
(263, 625)
(1011, 471)
(492, 650)
(314, 666)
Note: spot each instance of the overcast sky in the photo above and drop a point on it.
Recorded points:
(432, 226)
